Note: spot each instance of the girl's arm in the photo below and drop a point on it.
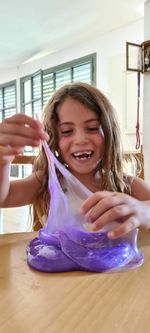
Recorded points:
(22, 192)
(15, 133)
(139, 188)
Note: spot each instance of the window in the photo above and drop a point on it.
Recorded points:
(36, 89)
(8, 105)
(31, 94)
(7, 100)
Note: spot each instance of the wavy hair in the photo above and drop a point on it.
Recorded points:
(111, 166)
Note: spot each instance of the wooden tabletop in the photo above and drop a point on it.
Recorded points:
(36, 302)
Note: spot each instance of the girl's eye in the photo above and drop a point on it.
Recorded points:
(66, 132)
(93, 129)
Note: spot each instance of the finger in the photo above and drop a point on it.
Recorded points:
(130, 224)
(7, 150)
(93, 200)
(23, 118)
(10, 151)
(7, 154)
(23, 131)
(109, 213)
(15, 141)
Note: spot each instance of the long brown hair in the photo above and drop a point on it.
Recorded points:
(110, 167)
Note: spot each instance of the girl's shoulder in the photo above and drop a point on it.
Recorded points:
(140, 189)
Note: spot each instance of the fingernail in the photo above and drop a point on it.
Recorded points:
(45, 136)
(94, 226)
(111, 234)
(88, 226)
(82, 209)
(88, 218)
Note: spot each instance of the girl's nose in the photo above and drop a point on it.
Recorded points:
(80, 137)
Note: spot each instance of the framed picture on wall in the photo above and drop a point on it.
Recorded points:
(138, 57)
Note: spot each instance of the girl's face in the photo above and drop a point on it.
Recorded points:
(80, 138)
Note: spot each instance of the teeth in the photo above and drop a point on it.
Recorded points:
(82, 153)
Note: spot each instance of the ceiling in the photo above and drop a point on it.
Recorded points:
(34, 28)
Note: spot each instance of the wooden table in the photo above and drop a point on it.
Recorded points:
(36, 302)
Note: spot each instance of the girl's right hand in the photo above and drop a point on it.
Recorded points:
(17, 132)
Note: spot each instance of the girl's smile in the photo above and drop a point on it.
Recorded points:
(81, 139)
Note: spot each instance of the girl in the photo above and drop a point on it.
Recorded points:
(80, 127)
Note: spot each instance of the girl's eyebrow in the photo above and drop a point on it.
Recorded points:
(90, 120)
(71, 123)
(65, 123)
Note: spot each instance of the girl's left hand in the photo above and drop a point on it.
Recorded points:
(104, 207)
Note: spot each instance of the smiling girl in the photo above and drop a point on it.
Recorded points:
(80, 127)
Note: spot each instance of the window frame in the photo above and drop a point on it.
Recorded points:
(91, 58)
(22, 95)
(6, 85)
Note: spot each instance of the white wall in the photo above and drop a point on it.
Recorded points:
(146, 113)
(111, 76)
